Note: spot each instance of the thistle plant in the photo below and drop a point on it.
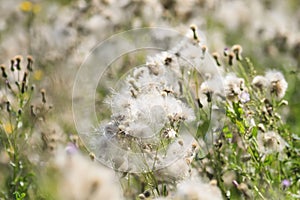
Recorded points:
(187, 114)
(195, 121)
(187, 124)
(254, 153)
(19, 115)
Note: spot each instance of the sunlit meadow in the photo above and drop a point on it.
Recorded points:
(213, 115)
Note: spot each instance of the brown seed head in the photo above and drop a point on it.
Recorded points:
(216, 56)
(230, 58)
(193, 27)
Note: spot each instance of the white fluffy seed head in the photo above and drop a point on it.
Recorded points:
(260, 82)
(270, 142)
(233, 87)
(278, 84)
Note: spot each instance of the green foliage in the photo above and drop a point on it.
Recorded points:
(237, 149)
(17, 123)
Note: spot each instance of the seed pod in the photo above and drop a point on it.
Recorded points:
(195, 34)
(199, 103)
(92, 156)
(4, 74)
(18, 62)
(261, 127)
(133, 93)
(43, 92)
(29, 63)
(230, 58)
(147, 193)
(12, 62)
(208, 94)
(23, 87)
(8, 108)
(25, 76)
(216, 56)
(237, 50)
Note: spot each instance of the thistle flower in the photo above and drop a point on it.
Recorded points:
(179, 170)
(230, 58)
(278, 84)
(207, 91)
(211, 90)
(237, 50)
(4, 74)
(233, 87)
(270, 142)
(285, 183)
(244, 97)
(18, 60)
(71, 148)
(195, 34)
(260, 82)
(216, 56)
(151, 105)
(169, 133)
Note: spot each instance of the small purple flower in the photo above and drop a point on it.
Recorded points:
(285, 183)
(235, 183)
(71, 149)
(226, 51)
(244, 97)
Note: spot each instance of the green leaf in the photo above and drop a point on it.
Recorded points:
(268, 160)
(202, 129)
(227, 133)
(19, 196)
(238, 111)
(254, 131)
(241, 127)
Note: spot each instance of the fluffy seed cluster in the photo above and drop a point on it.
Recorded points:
(154, 101)
(235, 88)
(270, 142)
(273, 81)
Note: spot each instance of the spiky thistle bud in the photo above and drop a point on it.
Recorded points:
(43, 93)
(4, 74)
(18, 62)
(195, 34)
(237, 50)
(23, 87)
(12, 62)
(8, 107)
(216, 56)
(29, 63)
(230, 58)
